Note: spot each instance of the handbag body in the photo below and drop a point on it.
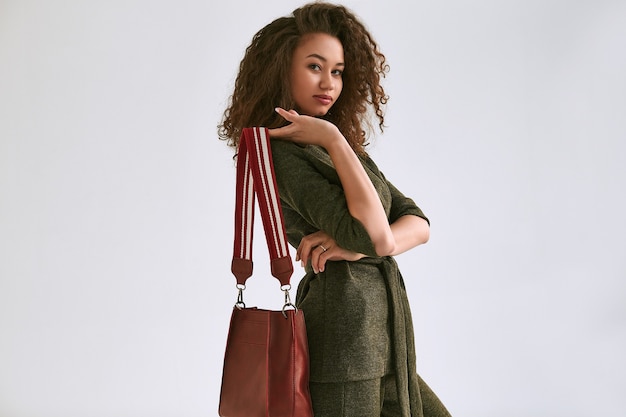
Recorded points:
(266, 363)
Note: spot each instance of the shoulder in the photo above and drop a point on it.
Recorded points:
(287, 156)
(369, 162)
(285, 149)
(285, 152)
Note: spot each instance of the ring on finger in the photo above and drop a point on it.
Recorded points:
(323, 248)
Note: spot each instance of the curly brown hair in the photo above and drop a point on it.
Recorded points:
(263, 82)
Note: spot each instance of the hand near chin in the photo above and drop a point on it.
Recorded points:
(320, 247)
(305, 130)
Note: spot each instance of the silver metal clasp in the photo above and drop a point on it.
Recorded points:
(288, 303)
(240, 304)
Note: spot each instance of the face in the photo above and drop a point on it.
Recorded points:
(316, 73)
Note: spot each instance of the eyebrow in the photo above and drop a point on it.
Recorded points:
(321, 58)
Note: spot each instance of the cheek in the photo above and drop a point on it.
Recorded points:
(299, 82)
(339, 87)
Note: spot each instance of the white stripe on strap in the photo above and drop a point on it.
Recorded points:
(281, 240)
(248, 213)
(264, 163)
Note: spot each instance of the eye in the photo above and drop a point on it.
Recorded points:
(337, 72)
(315, 67)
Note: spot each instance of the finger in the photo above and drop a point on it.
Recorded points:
(316, 254)
(299, 255)
(304, 251)
(322, 256)
(279, 132)
(287, 115)
(321, 261)
(284, 113)
(309, 243)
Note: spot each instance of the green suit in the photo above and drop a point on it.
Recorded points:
(357, 313)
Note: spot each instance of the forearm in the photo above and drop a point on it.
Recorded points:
(361, 197)
(408, 232)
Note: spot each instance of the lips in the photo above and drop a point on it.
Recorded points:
(323, 99)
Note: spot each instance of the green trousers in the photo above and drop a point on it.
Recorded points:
(369, 398)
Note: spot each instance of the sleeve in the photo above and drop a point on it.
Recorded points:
(400, 204)
(309, 189)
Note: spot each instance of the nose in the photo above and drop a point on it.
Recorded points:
(327, 81)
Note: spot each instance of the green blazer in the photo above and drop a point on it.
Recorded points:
(357, 313)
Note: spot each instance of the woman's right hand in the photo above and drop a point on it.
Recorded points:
(306, 130)
(320, 247)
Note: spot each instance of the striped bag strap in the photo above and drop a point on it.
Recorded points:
(255, 176)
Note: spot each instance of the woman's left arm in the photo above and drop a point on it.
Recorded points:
(408, 232)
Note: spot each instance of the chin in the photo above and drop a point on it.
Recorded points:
(314, 112)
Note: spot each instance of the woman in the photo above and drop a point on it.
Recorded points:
(313, 78)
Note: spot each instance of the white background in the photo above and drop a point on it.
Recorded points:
(507, 124)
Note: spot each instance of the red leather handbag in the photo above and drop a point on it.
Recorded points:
(266, 365)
